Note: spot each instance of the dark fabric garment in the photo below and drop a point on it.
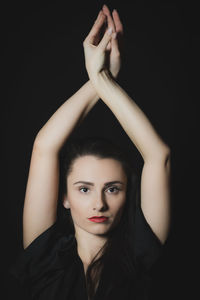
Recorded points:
(50, 267)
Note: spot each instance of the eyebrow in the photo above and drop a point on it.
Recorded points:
(106, 184)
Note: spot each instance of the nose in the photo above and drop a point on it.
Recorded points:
(100, 202)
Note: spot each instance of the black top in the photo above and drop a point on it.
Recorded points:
(52, 269)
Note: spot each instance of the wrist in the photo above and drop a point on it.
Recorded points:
(103, 76)
(103, 83)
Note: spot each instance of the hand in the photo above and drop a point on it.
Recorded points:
(104, 53)
(115, 46)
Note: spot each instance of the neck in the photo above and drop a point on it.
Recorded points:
(88, 244)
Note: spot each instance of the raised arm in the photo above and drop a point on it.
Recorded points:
(40, 205)
(155, 180)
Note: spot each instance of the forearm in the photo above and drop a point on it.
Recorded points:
(58, 128)
(131, 117)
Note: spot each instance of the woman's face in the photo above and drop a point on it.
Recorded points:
(96, 187)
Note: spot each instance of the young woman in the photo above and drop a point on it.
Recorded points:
(114, 231)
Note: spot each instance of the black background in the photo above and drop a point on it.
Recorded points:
(44, 65)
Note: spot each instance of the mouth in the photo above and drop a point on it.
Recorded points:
(98, 219)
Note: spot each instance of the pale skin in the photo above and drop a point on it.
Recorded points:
(40, 206)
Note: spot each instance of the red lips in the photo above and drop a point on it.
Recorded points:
(98, 219)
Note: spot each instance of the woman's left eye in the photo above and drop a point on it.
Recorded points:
(114, 189)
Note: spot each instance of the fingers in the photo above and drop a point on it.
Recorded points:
(117, 44)
(114, 26)
(106, 12)
(106, 39)
(117, 21)
(110, 22)
(117, 24)
(96, 27)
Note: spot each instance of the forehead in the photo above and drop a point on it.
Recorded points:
(95, 167)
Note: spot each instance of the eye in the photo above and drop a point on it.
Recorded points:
(114, 190)
(84, 189)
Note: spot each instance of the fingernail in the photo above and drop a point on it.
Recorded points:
(110, 30)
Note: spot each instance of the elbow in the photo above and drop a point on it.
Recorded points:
(161, 154)
(164, 152)
(43, 145)
(38, 142)
(167, 155)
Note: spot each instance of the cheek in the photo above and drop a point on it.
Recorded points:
(78, 206)
(117, 204)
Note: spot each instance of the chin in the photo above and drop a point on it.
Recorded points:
(98, 229)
